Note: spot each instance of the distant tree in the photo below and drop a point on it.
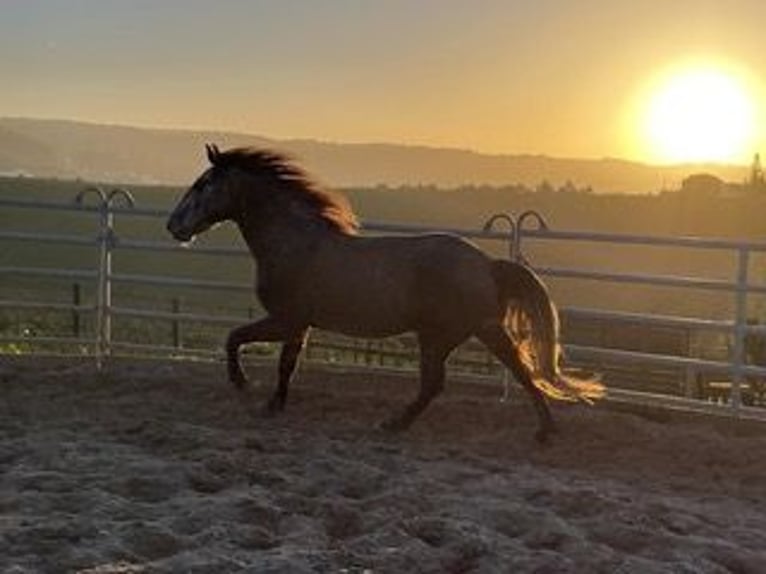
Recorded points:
(545, 187)
(568, 187)
(757, 181)
(702, 184)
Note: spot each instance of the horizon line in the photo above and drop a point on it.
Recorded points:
(370, 143)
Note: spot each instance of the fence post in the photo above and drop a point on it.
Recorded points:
(107, 240)
(740, 329)
(76, 301)
(105, 285)
(176, 325)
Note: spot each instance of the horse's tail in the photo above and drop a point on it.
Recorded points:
(534, 326)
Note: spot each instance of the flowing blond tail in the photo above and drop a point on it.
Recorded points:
(534, 325)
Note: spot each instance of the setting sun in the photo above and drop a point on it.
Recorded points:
(699, 114)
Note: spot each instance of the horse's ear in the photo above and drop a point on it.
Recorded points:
(212, 153)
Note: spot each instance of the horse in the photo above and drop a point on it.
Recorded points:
(314, 270)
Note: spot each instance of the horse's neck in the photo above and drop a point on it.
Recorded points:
(278, 242)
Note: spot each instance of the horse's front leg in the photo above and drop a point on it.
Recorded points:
(288, 359)
(265, 330)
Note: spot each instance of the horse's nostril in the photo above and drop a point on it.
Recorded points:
(176, 229)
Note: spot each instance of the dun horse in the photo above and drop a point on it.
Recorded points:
(313, 270)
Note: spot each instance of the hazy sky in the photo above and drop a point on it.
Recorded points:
(561, 77)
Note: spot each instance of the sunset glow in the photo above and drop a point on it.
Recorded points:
(699, 114)
(656, 82)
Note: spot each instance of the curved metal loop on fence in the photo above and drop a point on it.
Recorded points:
(516, 228)
(542, 225)
(512, 234)
(118, 193)
(80, 197)
(106, 199)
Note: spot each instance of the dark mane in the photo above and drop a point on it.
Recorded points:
(330, 207)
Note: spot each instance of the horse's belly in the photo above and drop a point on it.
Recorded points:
(364, 326)
(369, 317)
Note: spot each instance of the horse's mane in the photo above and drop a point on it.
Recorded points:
(330, 207)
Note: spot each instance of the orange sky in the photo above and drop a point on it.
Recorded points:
(555, 77)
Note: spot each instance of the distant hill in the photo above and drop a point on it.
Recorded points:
(71, 150)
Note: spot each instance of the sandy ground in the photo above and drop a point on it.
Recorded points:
(160, 467)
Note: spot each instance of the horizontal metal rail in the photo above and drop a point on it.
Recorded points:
(58, 238)
(640, 279)
(78, 207)
(647, 240)
(217, 354)
(167, 350)
(625, 356)
(165, 281)
(43, 306)
(37, 340)
(672, 321)
(185, 317)
(691, 323)
(46, 205)
(159, 246)
(683, 404)
(52, 272)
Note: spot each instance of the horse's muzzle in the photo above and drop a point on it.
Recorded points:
(178, 232)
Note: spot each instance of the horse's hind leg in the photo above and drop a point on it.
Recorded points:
(288, 359)
(497, 340)
(433, 354)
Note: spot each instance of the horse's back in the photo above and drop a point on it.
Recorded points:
(384, 285)
(454, 284)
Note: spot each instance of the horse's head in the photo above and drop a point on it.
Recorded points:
(210, 200)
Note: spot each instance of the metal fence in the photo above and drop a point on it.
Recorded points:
(730, 386)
